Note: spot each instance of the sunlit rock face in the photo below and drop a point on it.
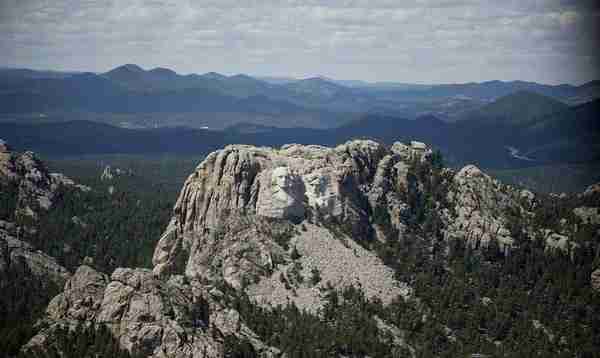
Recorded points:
(595, 280)
(289, 183)
(479, 202)
(245, 210)
(283, 194)
(147, 317)
(36, 185)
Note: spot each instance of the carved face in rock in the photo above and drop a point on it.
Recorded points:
(322, 192)
(281, 179)
(283, 198)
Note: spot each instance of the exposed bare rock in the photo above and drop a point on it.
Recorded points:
(240, 252)
(108, 173)
(595, 279)
(36, 186)
(481, 210)
(77, 221)
(588, 215)
(398, 337)
(59, 179)
(557, 241)
(292, 183)
(528, 197)
(480, 203)
(540, 326)
(409, 152)
(339, 261)
(146, 316)
(281, 225)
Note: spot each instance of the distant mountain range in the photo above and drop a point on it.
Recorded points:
(132, 110)
(130, 90)
(516, 107)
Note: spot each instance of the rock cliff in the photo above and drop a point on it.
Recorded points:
(148, 317)
(283, 225)
(294, 182)
(36, 186)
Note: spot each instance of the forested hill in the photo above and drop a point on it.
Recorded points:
(567, 136)
(390, 237)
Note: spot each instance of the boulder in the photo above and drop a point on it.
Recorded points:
(36, 186)
(145, 316)
(480, 203)
(595, 280)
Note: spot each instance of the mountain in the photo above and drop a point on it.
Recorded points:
(161, 79)
(212, 76)
(517, 107)
(585, 93)
(133, 77)
(277, 80)
(128, 75)
(565, 136)
(131, 96)
(569, 135)
(19, 74)
(130, 90)
(342, 251)
(29, 278)
(316, 86)
(491, 90)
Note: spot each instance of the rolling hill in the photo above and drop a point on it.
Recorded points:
(570, 135)
(131, 96)
(517, 107)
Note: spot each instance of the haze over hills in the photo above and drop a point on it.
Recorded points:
(570, 135)
(520, 106)
(494, 124)
(129, 89)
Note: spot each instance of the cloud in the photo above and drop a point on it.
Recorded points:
(411, 41)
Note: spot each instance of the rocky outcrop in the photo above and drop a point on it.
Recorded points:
(109, 173)
(294, 183)
(35, 184)
(480, 204)
(595, 280)
(588, 215)
(146, 316)
(284, 226)
(28, 277)
(324, 259)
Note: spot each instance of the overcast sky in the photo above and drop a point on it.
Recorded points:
(423, 41)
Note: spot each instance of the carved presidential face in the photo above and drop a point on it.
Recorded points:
(281, 179)
(283, 197)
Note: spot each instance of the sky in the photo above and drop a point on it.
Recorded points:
(412, 41)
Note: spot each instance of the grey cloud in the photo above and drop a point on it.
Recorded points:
(412, 41)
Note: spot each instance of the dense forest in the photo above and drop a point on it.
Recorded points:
(116, 224)
(528, 302)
